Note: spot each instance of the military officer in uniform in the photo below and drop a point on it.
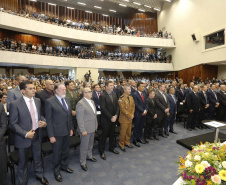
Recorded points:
(127, 108)
(74, 98)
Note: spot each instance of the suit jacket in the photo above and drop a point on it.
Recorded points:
(212, 98)
(86, 117)
(3, 123)
(96, 100)
(161, 104)
(20, 121)
(187, 91)
(108, 108)
(132, 90)
(151, 109)
(222, 100)
(43, 96)
(12, 95)
(119, 91)
(73, 100)
(140, 106)
(173, 105)
(180, 96)
(202, 100)
(193, 102)
(59, 121)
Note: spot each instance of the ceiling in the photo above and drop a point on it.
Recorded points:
(106, 5)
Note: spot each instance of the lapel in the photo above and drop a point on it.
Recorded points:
(84, 100)
(24, 106)
(107, 96)
(59, 103)
(139, 96)
(37, 107)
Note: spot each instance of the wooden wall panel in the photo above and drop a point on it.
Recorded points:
(203, 71)
(34, 39)
(9, 4)
(144, 22)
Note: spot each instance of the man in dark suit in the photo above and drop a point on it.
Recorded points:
(151, 128)
(109, 113)
(120, 90)
(204, 105)
(193, 108)
(133, 86)
(95, 98)
(3, 155)
(213, 102)
(45, 94)
(15, 93)
(188, 90)
(172, 111)
(140, 99)
(25, 121)
(59, 128)
(221, 111)
(162, 108)
(180, 93)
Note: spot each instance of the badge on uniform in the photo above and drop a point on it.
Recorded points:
(120, 100)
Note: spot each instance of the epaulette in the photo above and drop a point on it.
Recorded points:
(121, 96)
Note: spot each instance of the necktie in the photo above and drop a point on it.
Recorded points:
(205, 97)
(174, 99)
(164, 97)
(142, 97)
(215, 94)
(111, 97)
(5, 108)
(182, 91)
(98, 95)
(64, 105)
(32, 112)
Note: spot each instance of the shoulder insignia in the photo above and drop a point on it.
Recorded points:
(120, 100)
(121, 96)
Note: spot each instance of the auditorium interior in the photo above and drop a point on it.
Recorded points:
(140, 40)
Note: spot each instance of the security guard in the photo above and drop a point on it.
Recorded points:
(127, 108)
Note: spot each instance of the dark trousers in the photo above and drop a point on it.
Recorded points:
(108, 129)
(192, 119)
(23, 160)
(169, 122)
(151, 128)
(201, 116)
(221, 114)
(211, 113)
(138, 127)
(99, 122)
(161, 122)
(3, 163)
(60, 153)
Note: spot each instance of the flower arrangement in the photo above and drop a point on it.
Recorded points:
(204, 165)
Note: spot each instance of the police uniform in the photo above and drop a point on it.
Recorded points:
(127, 108)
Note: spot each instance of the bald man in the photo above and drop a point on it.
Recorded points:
(15, 93)
(45, 94)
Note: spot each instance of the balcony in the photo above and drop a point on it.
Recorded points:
(21, 24)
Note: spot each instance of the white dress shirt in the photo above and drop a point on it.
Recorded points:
(27, 101)
(90, 103)
(59, 98)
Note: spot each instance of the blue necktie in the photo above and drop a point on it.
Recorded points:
(64, 105)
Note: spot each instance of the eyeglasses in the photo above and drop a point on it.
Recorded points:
(88, 92)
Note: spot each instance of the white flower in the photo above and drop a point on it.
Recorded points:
(188, 163)
(207, 154)
(202, 147)
(189, 157)
(197, 158)
(205, 164)
(220, 166)
(216, 179)
(224, 164)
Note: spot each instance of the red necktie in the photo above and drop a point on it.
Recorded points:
(142, 97)
(98, 95)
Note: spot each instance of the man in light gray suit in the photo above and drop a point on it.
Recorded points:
(15, 93)
(87, 124)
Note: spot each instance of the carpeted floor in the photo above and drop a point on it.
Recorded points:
(151, 164)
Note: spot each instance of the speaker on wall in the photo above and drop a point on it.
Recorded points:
(193, 37)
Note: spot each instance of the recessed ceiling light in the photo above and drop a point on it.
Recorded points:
(70, 8)
(105, 15)
(82, 3)
(52, 4)
(34, 0)
(168, 0)
(156, 9)
(122, 5)
(126, 0)
(88, 11)
(141, 10)
(136, 3)
(98, 7)
(147, 6)
(112, 10)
